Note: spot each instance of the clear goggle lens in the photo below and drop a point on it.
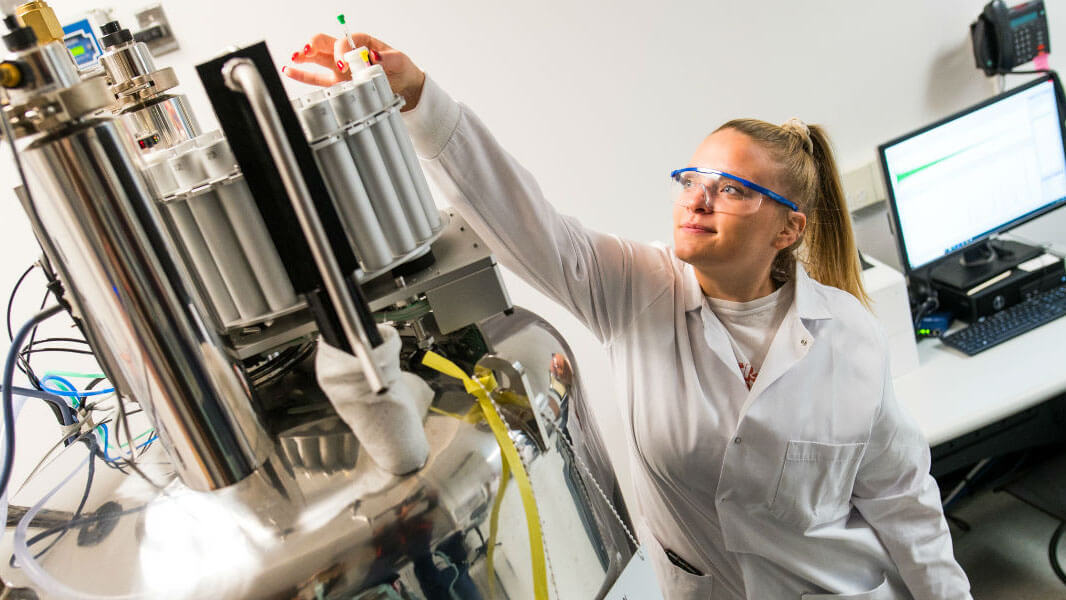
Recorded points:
(718, 192)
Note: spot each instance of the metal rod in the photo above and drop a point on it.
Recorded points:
(242, 76)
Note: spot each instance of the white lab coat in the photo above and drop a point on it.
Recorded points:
(824, 489)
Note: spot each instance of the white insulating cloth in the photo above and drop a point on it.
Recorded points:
(388, 426)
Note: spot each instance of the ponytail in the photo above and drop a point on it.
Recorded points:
(832, 257)
(827, 247)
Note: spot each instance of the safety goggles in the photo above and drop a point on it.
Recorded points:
(722, 192)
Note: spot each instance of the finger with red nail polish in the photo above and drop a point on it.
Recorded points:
(342, 66)
(307, 49)
(377, 57)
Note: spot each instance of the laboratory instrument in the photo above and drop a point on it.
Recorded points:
(204, 268)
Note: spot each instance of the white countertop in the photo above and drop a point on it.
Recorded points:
(951, 394)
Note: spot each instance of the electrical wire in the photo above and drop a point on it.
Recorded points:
(90, 442)
(35, 346)
(1053, 552)
(24, 359)
(11, 300)
(9, 372)
(55, 402)
(124, 421)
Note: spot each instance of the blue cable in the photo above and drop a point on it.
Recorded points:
(69, 394)
(138, 447)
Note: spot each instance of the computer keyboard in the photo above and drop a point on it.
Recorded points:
(1010, 322)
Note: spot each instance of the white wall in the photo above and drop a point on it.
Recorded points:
(601, 99)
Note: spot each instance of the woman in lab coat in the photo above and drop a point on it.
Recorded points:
(770, 458)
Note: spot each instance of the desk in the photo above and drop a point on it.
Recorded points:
(957, 397)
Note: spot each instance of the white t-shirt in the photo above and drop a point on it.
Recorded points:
(752, 327)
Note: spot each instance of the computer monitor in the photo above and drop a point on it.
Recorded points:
(981, 171)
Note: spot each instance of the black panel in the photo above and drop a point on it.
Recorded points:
(250, 149)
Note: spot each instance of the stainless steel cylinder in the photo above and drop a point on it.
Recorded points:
(338, 168)
(351, 104)
(403, 138)
(169, 117)
(46, 68)
(127, 61)
(95, 208)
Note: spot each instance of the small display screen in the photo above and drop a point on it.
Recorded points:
(81, 42)
(1022, 20)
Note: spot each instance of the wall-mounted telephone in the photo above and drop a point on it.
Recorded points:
(1004, 38)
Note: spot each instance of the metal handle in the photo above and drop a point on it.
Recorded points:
(242, 76)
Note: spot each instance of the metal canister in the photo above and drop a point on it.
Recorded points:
(389, 145)
(247, 222)
(378, 161)
(203, 201)
(187, 233)
(338, 168)
(403, 139)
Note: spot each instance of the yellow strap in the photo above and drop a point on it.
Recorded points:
(494, 526)
(480, 389)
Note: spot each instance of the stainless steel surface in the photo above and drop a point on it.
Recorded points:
(125, 63)
(459, 254)
(96, 212)
(54, 93)
(242, 76)
(170, 117)
(276, 498)
(468, 299)
(322, 521)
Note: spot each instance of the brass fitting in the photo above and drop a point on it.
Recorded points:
(42, 19)
(10, 75)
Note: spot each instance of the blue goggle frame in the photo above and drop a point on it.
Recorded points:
(758, 188)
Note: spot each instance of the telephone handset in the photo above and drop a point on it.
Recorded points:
(1004, 38)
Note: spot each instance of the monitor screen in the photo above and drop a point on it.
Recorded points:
(978, 172)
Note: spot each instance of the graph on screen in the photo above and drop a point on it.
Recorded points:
(977, 173)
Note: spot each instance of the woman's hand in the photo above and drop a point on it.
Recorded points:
(327, 51)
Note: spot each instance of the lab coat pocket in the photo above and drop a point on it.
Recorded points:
(881, 592)
(816, 482)
(675, 582)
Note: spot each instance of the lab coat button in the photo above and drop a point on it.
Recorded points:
(736, 440)
(803, 341)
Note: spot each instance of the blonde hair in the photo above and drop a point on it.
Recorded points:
(811, 180)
